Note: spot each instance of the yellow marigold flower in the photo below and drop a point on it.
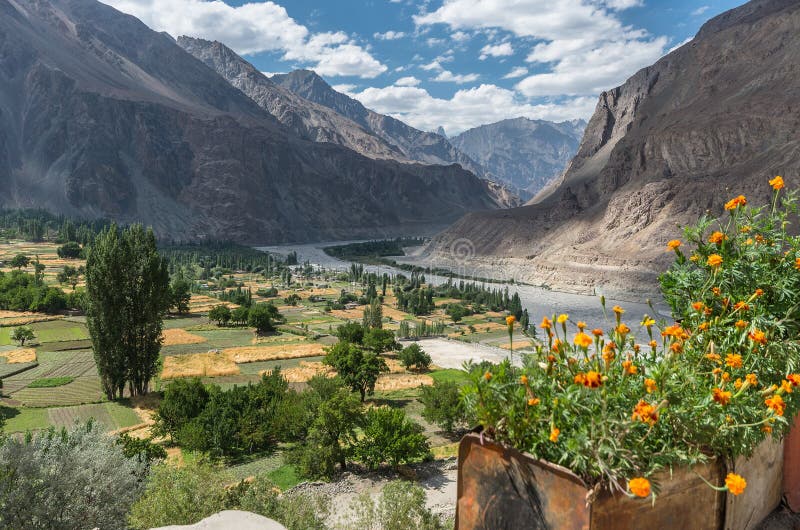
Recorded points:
(546, 323)
(487, 376)
(645, 412)
(593, 379)
(597, 332)
(758, 336)
(786, 386)
(776, 183)
(510, 319)
(746, 229)
(794, 379)
(648, 322)
(741, 324)
(735, 483)
(653, 344)
(532, 402)
(523, 379)
(694, 257)
(749, 241)
(726, 376)
(639, 487)
(734, 360)
(717, 237)
(776, 404)
(738, 383)
(674, 244)
(650, 385)
(703, 326)
(554, 433)
(752, 379)
(582, 340)
(622, 329)
(629, 368)
(735, 202)
(713, 357)
(563, 317)
(618, 310)
(714, 260)
(723, 397)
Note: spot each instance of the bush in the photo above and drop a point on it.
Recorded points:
(67, 479)
(69, 250)
(184, 400)
(390, 437)
(414, 356)
(442, 405)
(401, 506)
(263, 317)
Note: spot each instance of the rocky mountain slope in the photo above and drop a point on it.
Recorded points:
(101, 116)
(522, 153)
(426, 147)
(713, 119)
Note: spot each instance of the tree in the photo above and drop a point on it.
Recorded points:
(373, 314)
(180, 295)
(443, 405)
(456, 311)
(71, 275)
(389, 436)
(351, 332)
(221, 314)
(413, 355)
(240, 315)
(358, 369)
(69, 250)
(184, 400)
(127, 287)
(380, 340)
(22, 335)
(67, 479)
(263, 317)
(20, 261)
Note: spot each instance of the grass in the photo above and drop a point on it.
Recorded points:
(23, 420)
(285, 477)
(50, 382)
(445, 451)
(450, 375)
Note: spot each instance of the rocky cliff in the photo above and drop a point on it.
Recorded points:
(101, 116)
(522, 153)
(715, 118)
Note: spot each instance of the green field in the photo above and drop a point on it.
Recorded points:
(111, 415)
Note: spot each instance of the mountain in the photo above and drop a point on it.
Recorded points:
(713, 119)
(426, 147)
(101, 116)
(522, 153)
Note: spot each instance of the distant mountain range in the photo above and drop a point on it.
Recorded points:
(101, 116)
(715, 118)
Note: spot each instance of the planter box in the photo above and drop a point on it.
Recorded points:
(791, 467)
(502, 488)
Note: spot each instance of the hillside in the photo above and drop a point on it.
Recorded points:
(715, 118)
(522, 153)
(101, 116)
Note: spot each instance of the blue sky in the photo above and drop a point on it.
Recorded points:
(454, 63)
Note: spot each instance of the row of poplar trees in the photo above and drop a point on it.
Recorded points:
(128, 295)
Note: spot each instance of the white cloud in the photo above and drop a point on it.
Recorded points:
(259, 26)
(433, 65)
(460, 36)
(344, 88)
(407, 81)
(389, 35)
(700, 10)
(467, 108)
(519, 71)
(496, 50)
(619, 5)
(446, 76)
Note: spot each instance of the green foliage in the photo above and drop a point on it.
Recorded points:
(367, 251)
(457, 312)
(128, 294)
(22, 334)
(184, 400)
(70, 250)
(390, 437)
(240, 315)
(351, 332)
(24, 292)
(50, 382)
(221, 314)
(380, 340)
(20, 261)
(294, 511)
(358, 369)
(144, 450)
(71, 275)
(67, 479)
(263, 317)
(442, 405)
(401, 506)
(413, 356)
(180, 294)
(373, 314)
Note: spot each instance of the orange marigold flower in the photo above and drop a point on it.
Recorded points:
(487, 376)
(776, 403)
(735, 202)
(674, 244)
(697, 306)
(738, 383)
(532, 402)
(563, 317)
(743, 306)
(758, 336)
(759, 292)
(766, 428)
(752, 379)
(554, 433)
(622, 329)
(760, 238)
(675, 331)
(597, 332)
(579, 379)
(592, 379)
(608, 355)
(794, 379)
(726, 376)
(557, 345)
(629, 368)
(797, 263)
(618, 310)
(716, 290)
(694, 257)
(523, 379)
(581, 325)
(551, 358)
(776, 183)
(676, 347)
(735, 483)
(703, 326)
(734, 360)
(714, 260)
(717, 238)
(650, 385)
(510, 319)
(653, 344)
(786, 386)
(645, 412)
(723, 397)
(639, 487)
(741, 324)
(713, 357)
(546, 323)
(582, 340)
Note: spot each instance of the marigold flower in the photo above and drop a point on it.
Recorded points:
(698, 306)
(776, 403)
(734, 360)
(639, 487)
(597, 332)
(735, 483)
(766, 428)
(776, 183)
(582, 340)
(510, 319)
(735, 202)
(676, 347)
(532, 402)
(554, 433)
(723, 397)
(741, 324)
(749, 241)
(551, 358)
(579, 379)
(797, 263)
(738, 383)
(650, 385)
(786, 386)
(645, 412)
(752, 379)
(557, 345)
(694, 257)
(703, 326)
(716, 290)
(758, 336)
(608, 355)
(546, 323)
(794, 379)
(653, 344)
(629, 368)
(717, 238)
(581, 325)
(648, 322)
(622, 329)
(487, 376)
(714, 260)
(523, 379)
(618, 310)
(741, 306)
(759, 292)
(760, 238)
(726, 376)
(713, 357)
(746, 229)
(563, 317)
(674, 244)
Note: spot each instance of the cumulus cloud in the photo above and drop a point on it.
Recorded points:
(407, 81)
(519, 71)
(496, 50)
(446, 76)
(389, 35)
(259, 26)
(467, 108)
(700, 10)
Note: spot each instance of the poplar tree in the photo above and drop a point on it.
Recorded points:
(127, 288)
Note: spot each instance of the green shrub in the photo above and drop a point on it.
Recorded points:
(49, 382)
(443, 405)
(401, 506)
(390, 437)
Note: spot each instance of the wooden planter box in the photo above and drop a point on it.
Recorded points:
(502, 488)
(791, 467)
